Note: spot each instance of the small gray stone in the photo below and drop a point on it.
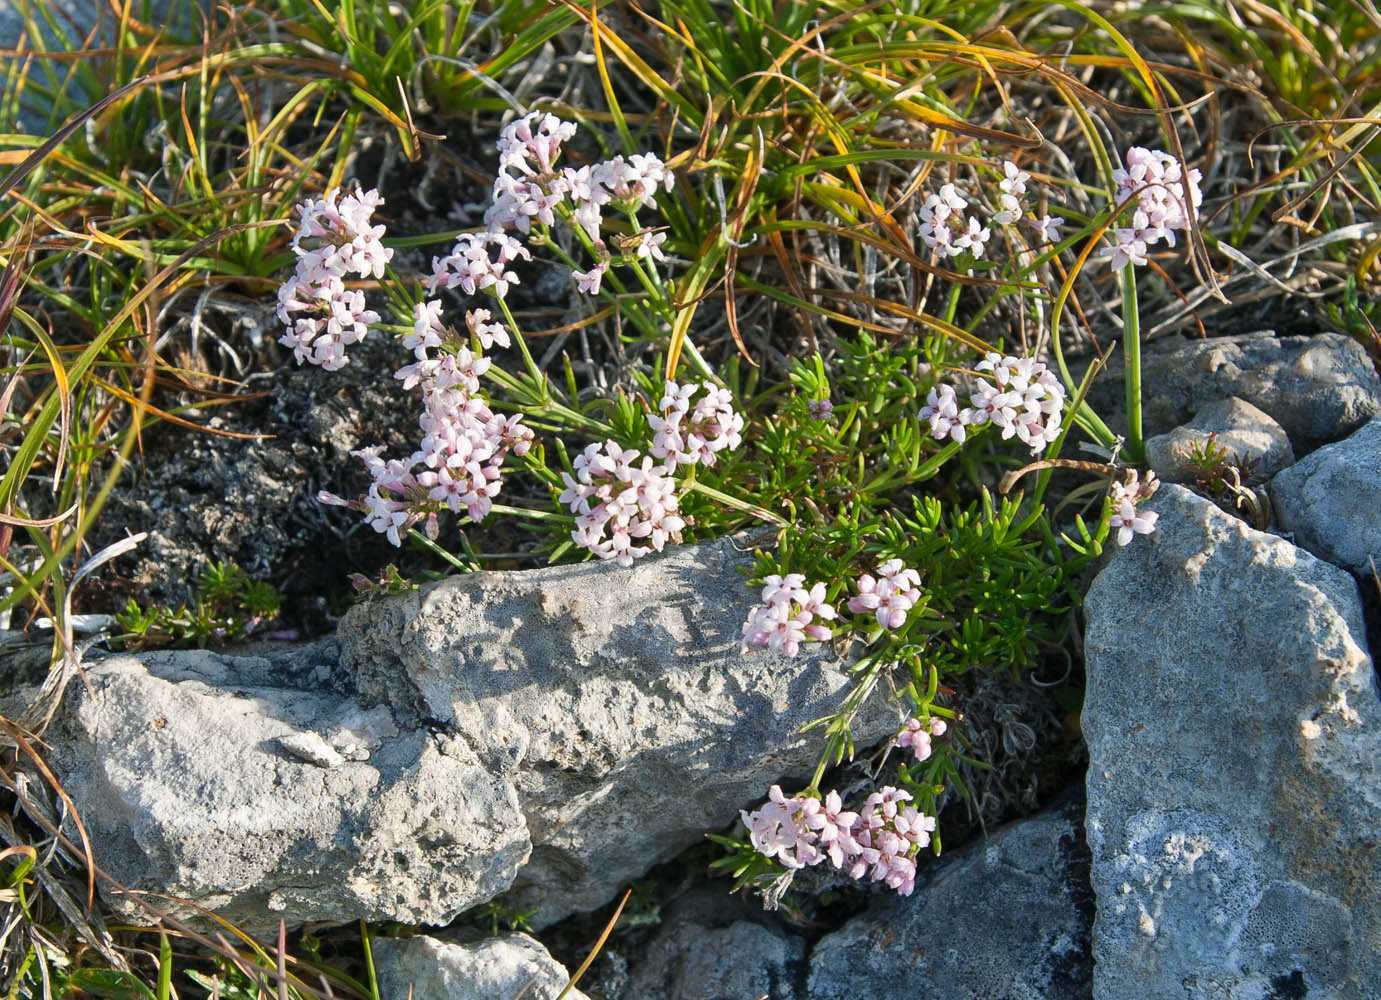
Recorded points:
(1234, 734)
(500, 968)
(1238, 426)
(1006, 917)
(177, 761)
(616, 700)
(1331, 500)
(1318, 388)
(713, 946)
(312, 748)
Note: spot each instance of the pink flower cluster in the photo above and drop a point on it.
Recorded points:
(1024, 399)
(890, 596)
(786, 616)
(334, 239)
(458, 465)
(1159, 182)
(949, 232)
(918, 733)
(1125, 496)
(946, 230)
(531, 188)
(617, 499)
(684, 437)
(881, 840)
(470, 267)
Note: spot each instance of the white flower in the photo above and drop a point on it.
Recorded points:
(942, 410)
(1129, 521)
(1048, 228)
(588, 281)
(974, 238)
(1128, 249)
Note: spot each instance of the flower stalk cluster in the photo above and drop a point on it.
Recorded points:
(1024, 399)
(880, 840)
(786, 617)
(335, 238)
(1159, 183)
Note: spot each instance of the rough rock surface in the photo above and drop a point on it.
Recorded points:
(1331, 500)
(714, 946)
(1234, 735)
(601, 719)
(500, 968)
(1006, 917)
(615, 700)
(211, 778)
(1237, 426)
(1318, 388)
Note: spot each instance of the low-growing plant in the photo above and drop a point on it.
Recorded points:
(227, 607)
(1215, 470)
(827, 469)
(844, 165)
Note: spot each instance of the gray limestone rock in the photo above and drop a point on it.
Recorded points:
(616, 701)
(1234, 734)
(596, 718)
(1318, 388)
(1005, 917)
(208, 778)
(500, 968)
(1238, 426)
(1331, 500)
(713, 945)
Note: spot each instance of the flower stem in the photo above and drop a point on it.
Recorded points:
(539, 383)
(1131, 345)
(737, 504)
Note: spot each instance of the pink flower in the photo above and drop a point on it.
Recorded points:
(1129, 521)
(487, 333)
(588, 282)
(1125, 496)
(690, 438)
(889, 597)
(617, 499)
(917, 736)
(1048, 228)
(786, 618)
(942, 410)
(1127, 250)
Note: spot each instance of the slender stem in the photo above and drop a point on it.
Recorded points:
(952, 302)
(737, 504)
(700, 363)
(536, 515)
(550, 408)
(1131, 345)
(431, 546)
(537, 380)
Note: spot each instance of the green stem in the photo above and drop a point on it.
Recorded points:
(431, 546)
(952, 302)
(536, 515)
(538, 382)
(1131, 345)
(737, 504)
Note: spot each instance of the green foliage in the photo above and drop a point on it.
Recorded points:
(1214, 471)
(428, 49)
(497, 916)
(1354, 317)
(228, 607)
(390, 581)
